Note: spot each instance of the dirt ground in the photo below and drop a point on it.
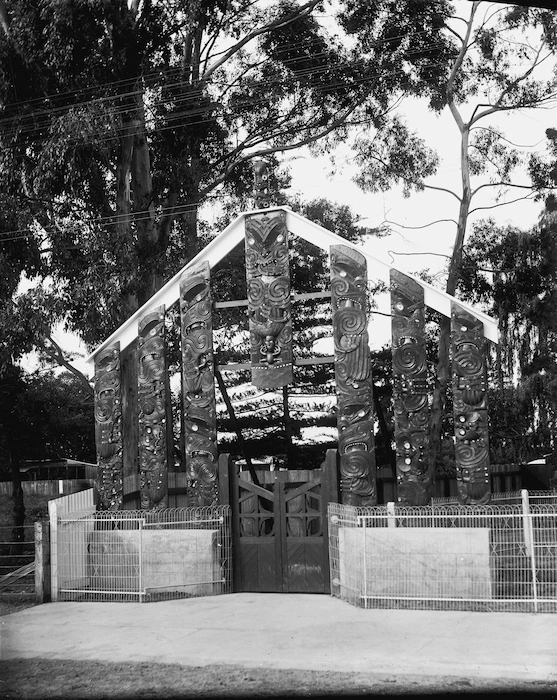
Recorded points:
(36, 679)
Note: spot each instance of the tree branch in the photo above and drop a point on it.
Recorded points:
(275, 24)
(56, 353)
(498, 106)
(432, 223)
(504, 138)
(235, 160)
(442, 189)
(501, 204)
(456, 67)
(505, 184)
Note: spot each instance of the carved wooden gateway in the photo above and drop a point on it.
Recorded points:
(144, 463)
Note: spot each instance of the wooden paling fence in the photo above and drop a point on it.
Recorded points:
(48, 487)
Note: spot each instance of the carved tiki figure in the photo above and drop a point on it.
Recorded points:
(269, 301)
(152, 397)
(261, 185)
(410, 391)
(470, 407)
(108, 428)
(354, 388)
(198, 387)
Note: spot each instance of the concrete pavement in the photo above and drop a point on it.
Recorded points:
(289, 631)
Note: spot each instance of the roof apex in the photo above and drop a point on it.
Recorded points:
(297, 224)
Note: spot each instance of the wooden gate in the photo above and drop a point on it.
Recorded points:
(279, 530)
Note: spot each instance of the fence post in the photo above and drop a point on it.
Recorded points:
(529, 542)
(53, 517)
(527, 525)
(391, 520)
(141, 560)
(364, 529)
(42, 561)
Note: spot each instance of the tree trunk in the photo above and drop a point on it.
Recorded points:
(443, 361)
(148, 234)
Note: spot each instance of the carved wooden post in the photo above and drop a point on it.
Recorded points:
(130, 420)
(354, 385)
(108, 428)
(198, 387)
(469, 376)
(269, 301)
(153, 402)
(410, 391)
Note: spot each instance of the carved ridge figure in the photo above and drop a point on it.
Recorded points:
(269, 299)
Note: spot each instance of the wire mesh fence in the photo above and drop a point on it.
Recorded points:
(484, 558)
(508, 498)
(143, 556)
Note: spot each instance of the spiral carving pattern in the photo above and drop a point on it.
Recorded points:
(467, 360)
(340, 287)
(410, 391)
(349, 322)
(409, 359)
(278, 291)
(108, 428)
(353, 377)
(470, 407)
(198, 390)
(256, 291)
(269, 299)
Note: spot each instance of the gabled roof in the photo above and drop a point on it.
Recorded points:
(298, 225)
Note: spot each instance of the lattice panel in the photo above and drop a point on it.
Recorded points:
(257, 517)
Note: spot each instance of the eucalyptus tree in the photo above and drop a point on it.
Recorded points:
(119, 119)
(496, 60)
(514, 272)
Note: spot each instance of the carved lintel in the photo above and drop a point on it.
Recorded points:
(269, 299)
(353, 377)
(410, 391)
(469, 380)
(152, 401)
(198, 387)
(108, 428)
